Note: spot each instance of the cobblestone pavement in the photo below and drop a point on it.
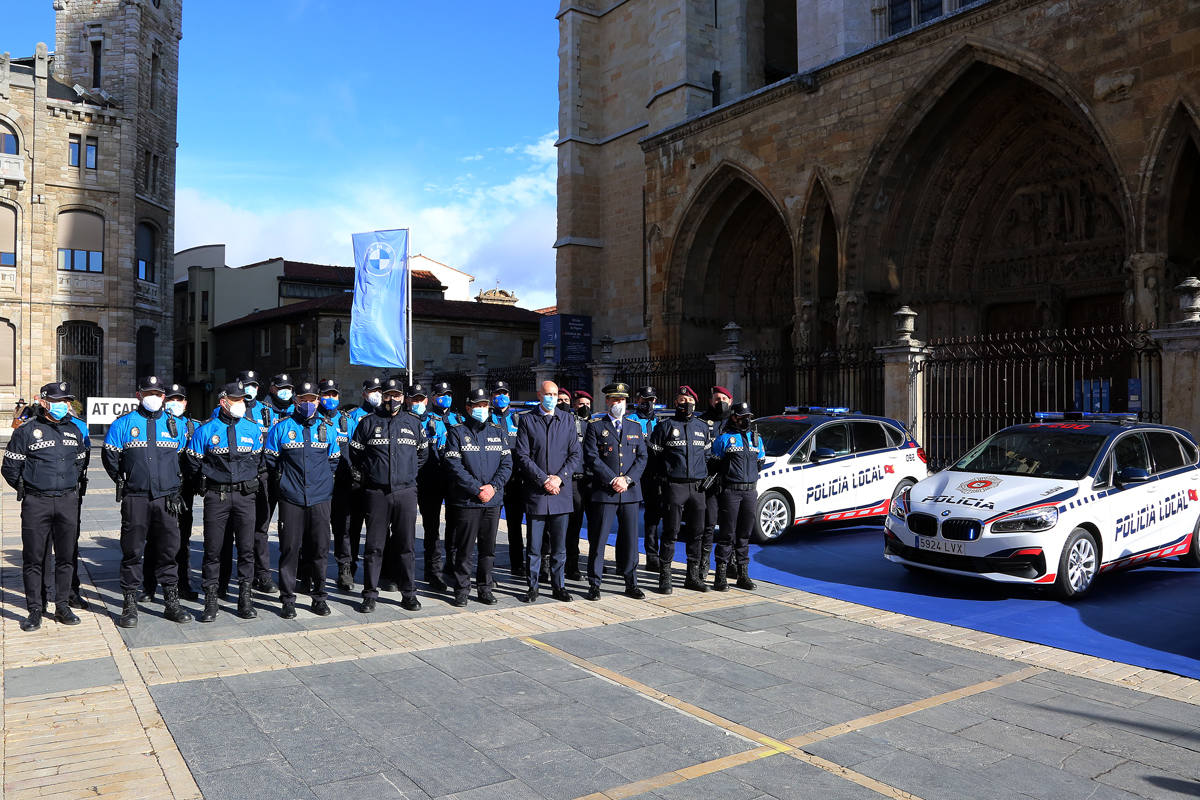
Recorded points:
(773, 694)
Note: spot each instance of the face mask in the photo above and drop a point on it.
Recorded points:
(237, 410)
(549, 401)
(329, 403)
(443, 401)
(721, 407)
(740, 424)
(175, 408)
(419, 409)
(251, 391)
(284, 395)
(152, 403)
(501, 401)
(685, 409)
(646, 409)
(481, 414)
(375, 398)
(307, 410)
(394, 404)
(617, 409)
(59, 410)
(584, 411)
(563, 405)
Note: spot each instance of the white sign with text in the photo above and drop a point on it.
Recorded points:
(105, 410)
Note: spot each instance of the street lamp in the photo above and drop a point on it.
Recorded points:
(338, 339)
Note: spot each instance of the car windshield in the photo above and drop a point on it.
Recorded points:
(779, 436)
(1034, 452)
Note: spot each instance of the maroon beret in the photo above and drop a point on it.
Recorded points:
(581, 393)
(723, 391)
(689, 391)
(566, 391)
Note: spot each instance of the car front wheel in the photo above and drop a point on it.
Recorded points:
(774, 517)
(1192, 557)
(1077, 566)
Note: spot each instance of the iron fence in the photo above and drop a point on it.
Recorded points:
(520, 380)
(668, 373)
(850, 378)
(977, 385)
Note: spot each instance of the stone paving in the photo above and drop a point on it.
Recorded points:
(773, 694)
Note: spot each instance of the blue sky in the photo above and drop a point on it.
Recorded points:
(302, 121)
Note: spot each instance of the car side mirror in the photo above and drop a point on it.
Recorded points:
(823, 454)
(1132, 475)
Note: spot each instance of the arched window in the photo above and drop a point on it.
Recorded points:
(147, 246)
(8, 140)
(80, 241)
(8, 237)
(8, 353)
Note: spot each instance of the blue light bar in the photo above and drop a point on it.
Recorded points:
(816, 410)
(1087, 416)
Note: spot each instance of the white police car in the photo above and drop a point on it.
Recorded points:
(829, 465)
(1055, 503)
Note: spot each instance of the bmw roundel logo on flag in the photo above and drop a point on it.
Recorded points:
(380, 259)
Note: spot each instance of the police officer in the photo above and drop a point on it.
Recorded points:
(478, 463)
(346, 508)
(387, 451)
(141, 455)
(301, 453)
(328, 407)
(738, 455)
(680, 446)
(615, 453)
(580, 487)
(279, 403)
(548, 455)
(431, 490)
(651, 484)
(258, 410)
(717, 417)
(44, 462)
(504, 415)
(225, 456)
(176, 407)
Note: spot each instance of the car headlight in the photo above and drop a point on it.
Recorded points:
(1035, 519)
(899, 506)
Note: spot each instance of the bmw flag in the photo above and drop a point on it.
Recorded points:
(379, 319)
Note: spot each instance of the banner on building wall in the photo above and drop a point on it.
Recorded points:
(380, 335)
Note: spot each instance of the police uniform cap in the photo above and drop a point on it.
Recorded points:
(234, 390)
(247, 376)
(500, 387)
(441, 387)
(585, 395)
(687, 390)
(329, 385)
(478, 396)
(616, 390)
(175, 390)
(306, 388)
(417, 390)
(393, 385)
(647, 392)
(372, 383)
(283, 381)
(741, 410)
(57, 391)
(149, 383)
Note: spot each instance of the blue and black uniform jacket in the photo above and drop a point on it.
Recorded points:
(142, 450)
(304, 454)
(477, 454)
(48, 455)
(225, 450)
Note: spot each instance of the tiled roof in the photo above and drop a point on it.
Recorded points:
(422, 308)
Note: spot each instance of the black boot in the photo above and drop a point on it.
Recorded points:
(33, 621)
(743, 581)
(171, 607)
(705, 560)
(262, 583)
(129, 612)
(693, 581)
(246, 608)
(211, 595)
(146, 595)
(76, 601)
(664, 579)
(345, 578)
(720, 578)
(63, 614)
(652, 563)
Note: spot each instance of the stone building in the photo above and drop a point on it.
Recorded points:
(87, 198)
(805, 167)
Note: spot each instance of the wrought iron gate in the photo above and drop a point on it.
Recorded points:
(851, 378)
(81, 358)
(668, 374)
(977, 385)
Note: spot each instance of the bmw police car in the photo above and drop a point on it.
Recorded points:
(1054, 503)
(830, 465)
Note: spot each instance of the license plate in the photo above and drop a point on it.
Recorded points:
(941, 546)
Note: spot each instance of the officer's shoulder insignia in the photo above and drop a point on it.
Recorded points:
(216, 439)
(135, 432)
(291, 434)
(37, 433)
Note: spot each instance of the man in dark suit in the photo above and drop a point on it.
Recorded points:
(548, 456)
(615, 451)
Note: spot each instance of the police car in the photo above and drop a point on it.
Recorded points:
(830, 465)
(1054, 503)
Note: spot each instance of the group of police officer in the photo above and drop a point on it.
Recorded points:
(378, 464)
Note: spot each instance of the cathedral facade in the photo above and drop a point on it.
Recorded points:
(87, 197)
(805, 167)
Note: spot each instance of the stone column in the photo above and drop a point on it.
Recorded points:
(730, 366)
(544, 371)
(604, 370)
(1180, 342)
(903, 391)
(478, 376)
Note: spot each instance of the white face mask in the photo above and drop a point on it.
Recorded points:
(237, 410)
(284, 395)
(175, 408)
(251, 391)
(617, 409)
(375, 398)
(152, 403)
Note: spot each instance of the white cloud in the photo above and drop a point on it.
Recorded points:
(499, 231)
(476, 157)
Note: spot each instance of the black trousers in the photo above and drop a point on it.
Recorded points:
(391, 520)
(346, 515)
(182, 557)
(430, 496)
(652, 505)
(738, 508)
(303, 534)
(600, 520)
(48, 591)
(684, 502)
(698, 545)
(144, 520)
(514, 515)
(470, 530)
(48, 522)
(264, 508)
(552, 527)
(229, 517)
(580, 495)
